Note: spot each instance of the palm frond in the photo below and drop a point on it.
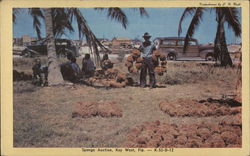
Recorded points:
(84, 30)
(116, 14)
(193, 26)
(232, 18)
(15, 13)
(37, 14)
(187, 11)
(100, 9)
(62, 21)
(220, 45)
(143, 12)
(119, 15)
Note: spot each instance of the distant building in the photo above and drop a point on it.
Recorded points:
(117, 41)
(24, 40)
(102, 39)
(105, 42)
(27, 39)
(18, 41)
(136, 43)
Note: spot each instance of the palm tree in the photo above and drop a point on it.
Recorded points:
(223, 14)
(58, 20)
(56, 77)
(54, 74)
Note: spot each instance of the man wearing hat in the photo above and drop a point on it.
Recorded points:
(147, 49)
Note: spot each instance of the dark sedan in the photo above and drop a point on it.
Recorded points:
(39, 47)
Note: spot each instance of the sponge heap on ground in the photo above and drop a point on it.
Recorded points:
(110, 77)
(189, 107)
(86, 109)
(165, 135)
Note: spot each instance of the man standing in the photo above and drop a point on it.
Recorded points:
(147, 49)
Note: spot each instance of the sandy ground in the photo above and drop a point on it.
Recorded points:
(43, 115)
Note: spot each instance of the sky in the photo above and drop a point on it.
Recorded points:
(162, 22)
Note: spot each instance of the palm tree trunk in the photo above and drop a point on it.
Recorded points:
(217, 45)
(97, 57)
(54, 74)
(221, 51)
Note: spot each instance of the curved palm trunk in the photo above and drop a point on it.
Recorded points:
(54, 74)
(220, 48)
(97, 59)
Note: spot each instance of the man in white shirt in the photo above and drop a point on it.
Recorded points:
(147, 49)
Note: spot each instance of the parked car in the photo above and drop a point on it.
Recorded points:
(173, 48)
(39, 47)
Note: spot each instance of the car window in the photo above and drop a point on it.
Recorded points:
(191, 43)
(181, 43)
(61, 43)
(169, 42)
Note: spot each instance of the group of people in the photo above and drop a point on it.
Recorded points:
(72, 72)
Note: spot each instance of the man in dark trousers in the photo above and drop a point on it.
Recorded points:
(147, 49)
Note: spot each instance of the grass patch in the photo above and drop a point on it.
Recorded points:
(191, 72)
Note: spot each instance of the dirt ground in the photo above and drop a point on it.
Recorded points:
(43, 115)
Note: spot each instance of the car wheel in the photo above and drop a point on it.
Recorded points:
(209, 58)
(171, 57)
(61, 53)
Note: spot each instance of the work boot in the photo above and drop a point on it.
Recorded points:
(152, 86)
(143, 86)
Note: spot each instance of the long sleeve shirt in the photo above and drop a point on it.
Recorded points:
(88, 66)
(75, 67)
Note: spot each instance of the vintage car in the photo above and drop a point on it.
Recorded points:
(39, 47)
(173, 48)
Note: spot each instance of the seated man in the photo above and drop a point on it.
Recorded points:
(70, 70)
(76, 69)
(40, 73)
(106, 63)
(88, 67)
